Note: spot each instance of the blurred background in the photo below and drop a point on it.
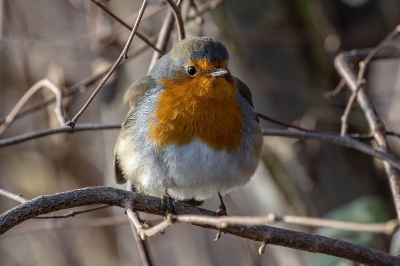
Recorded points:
(283, 50)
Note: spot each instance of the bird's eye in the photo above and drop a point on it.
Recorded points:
(191, 70)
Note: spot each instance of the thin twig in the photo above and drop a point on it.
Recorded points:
(148, 232)
(361, 76)
(44, 83)
(123, 55)
(72, 213)
(338, 140)
(226, 221)
(260, 233)
(199, 17)
(353, 136)
(120, 21)
(46, 132)
(277, 122)
(393, 134)
(335, 91)
(163, 37)
(178, 16)
(344, 64)
(13, 196)
(345, 116)
(209, 5)
(141, 244)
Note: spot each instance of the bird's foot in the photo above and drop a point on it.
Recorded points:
(220, 212)
(167, 203)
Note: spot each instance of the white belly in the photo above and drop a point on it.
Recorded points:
(187, 171)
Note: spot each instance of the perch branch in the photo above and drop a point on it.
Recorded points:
(261, 233)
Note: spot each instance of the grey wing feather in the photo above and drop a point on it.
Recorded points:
(138, 89)
(118, 175)
(245, 93)
(133, 95)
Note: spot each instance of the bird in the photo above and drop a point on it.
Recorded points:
(191, 131)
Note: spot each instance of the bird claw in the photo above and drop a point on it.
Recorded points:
(220, 212)
(168, 203)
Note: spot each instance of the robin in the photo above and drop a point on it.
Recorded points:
(191, 131)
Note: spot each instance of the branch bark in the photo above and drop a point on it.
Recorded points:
(261, 233)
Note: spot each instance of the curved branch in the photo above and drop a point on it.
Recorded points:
(266, 234)
(179, 20)
(44, 83)
(344, 64)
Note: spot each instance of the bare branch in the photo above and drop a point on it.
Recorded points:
(261, 233)
(179, 20)
(209, 5)
(344, 64)
(141, 244)
(142, 231)
(335, 91)
(13, 196)
(338, 140)
(225, 221)
(44, 83)
(361, 76)
(122, 56)
(42, 133)
(140, 36)
(163, 37)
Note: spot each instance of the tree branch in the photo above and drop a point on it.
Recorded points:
(179, 20)
(344, 64)
(267, 234)
(338, 140)
(124, 54)
(46, 132)
(44, 83)
(120, 21)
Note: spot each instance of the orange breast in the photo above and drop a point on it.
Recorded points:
(200, 107)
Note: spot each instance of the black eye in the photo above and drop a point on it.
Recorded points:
(191, 70)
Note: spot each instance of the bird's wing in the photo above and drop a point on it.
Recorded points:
(118, 176)
(245, 93)
(133, 95)
(138, 89)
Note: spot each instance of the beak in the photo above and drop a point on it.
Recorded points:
(219, 72)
